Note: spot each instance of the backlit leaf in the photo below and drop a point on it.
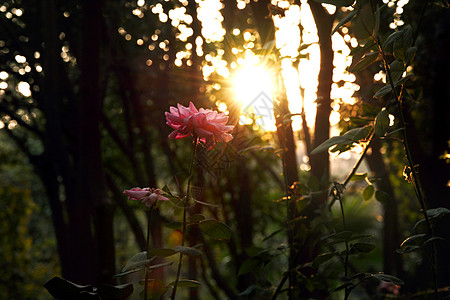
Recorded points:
(188, 251)
(162, 252)
(389, 278)
(413, 239)
(358, 176)
(382, 123)
(368, 192)
(322, 258)
(215, 229)
(350, 137)
(382, 196)
(364, 62)
(361, 248)
(137, 261)
(344, 20)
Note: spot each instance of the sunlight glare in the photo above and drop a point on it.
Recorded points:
(253, 87)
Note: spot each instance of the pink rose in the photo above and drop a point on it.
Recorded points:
(148, 196)
(208, 125)
(179, 118)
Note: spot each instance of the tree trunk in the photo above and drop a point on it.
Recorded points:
(90, 167)
(392, 261)
(320, 164)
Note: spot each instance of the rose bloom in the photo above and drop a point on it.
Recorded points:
(207, 125)
(148, 196)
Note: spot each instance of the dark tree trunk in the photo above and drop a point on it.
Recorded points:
(93, 185)
(320, 164)
(392, 261)
(78, 263)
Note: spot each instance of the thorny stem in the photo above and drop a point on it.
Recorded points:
(183, 230)
(415, 182)
(149, 217)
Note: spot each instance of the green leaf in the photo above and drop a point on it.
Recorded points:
(360, 236)
(162, 252)
(389, 278)
(343, 235)
(399, 50)
(413, 239)
(433, 239)
(387, 88)
(335, 140)
(337, 2)
(138, 261)
(188, 251)
(186, 283)
(344, 20)
(322, 258)
(382, 123)
(365, 61)
(350, 137)
(397, 67)
(383, 91)
(248, 290)
(364, 23)
(377, 22)
(421, 221)
(358, 176)
(369, 46)
(215, 229)
(249, 265)
(361, 248)
(410, 55)
(368, 192)
(174, 225)
(391, 38)
(205, 203)
(358, 134)
(382, 196)
(369, 110)
(407, 249)
(439, 212)
(197, 218)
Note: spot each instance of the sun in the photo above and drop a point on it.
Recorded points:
(251, 80)
(253, 88)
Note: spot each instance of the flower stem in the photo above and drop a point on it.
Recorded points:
(183, 230)
(149, 217)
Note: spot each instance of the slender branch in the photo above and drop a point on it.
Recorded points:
(185, 203)
(20, 122)
(357, 164)
(415, 182)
